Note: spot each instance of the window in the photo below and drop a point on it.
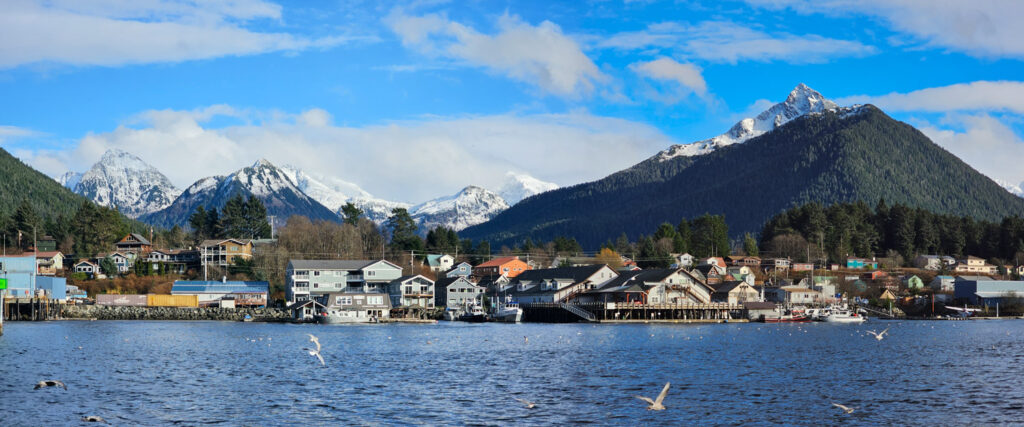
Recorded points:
(316, 273)
(316, 285)
(505, 269)
(408, 289)
(342, 300)
(375, 300)
(371, 273)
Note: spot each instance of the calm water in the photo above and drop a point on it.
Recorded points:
(153, 373)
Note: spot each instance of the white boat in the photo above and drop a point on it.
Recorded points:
(346, 316)
(509, 313)
(844, 316)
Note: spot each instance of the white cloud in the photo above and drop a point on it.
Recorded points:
(724, 41)
(12, 132)
(687, 76)
(974, 96)
(984, 28)
(410, 161)
(984, 142)
(119, 32)
(541, 55)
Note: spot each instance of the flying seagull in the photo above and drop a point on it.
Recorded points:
(846, 409)
(93, 419)
(315, 352)
(49, 383)
(879, 335)
(528, 404)
(656, 403)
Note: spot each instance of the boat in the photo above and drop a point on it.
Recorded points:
(451, 315)
(473, 314)
(844, 316)
(795, 316)
(247, 318)
(345, 316)
(508, 313)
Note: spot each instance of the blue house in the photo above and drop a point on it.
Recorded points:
(861, 263)
(20, 272)
(462, 269)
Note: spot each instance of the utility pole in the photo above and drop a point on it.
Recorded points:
(205, 279)
(271, 226)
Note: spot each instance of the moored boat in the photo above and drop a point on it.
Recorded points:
(509, 313)
(844, 316)
(473, 314)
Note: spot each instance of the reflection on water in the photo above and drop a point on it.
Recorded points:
(923, 373)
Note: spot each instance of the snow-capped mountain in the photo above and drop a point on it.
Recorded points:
(70, 180)
(123, 181)
(1016, 189)
(262, 180)
(519, 186)
(802, 100)
(334, 193)
(473, 205)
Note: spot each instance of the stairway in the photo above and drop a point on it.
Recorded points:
(572, 308)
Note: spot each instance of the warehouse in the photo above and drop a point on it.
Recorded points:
(224, 293)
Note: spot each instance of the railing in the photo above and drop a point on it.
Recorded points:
(578, 311)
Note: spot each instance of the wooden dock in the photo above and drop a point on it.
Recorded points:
(30, 309)
(632, 313)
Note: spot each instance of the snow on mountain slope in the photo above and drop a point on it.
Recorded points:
(519, 186)
(70, 180)
(1015, 189)
(125, 182)
(377, 210)
(329, 191)
(262, 180)
(802, 100)
(473, 205)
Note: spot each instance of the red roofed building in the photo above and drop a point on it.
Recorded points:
(510, 266)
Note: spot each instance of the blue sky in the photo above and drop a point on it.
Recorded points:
(415, 100)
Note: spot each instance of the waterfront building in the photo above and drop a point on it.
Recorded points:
(510, 266)
(558, 284)
(438, 263)
(651, 286)
(225, 292)
(49, 263)
(463, 269)
(412, 291)
(799, 295)
(134, 244)
(55, 287)
(454, 292)
(973, 264)
(223, 252)
(20, 272)
(735, 292)
(351, 307)
(309, 279)
(986, 292)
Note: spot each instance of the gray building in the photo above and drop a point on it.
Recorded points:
(356, 307)
(309, 279)
(458, 291)
(412, 291)
(986, 292)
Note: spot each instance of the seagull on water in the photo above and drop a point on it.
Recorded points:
(655, 405)
(879, 335)
(49, 383)
(93, 419)
(528, 404)
(315, 352)
(846, 409)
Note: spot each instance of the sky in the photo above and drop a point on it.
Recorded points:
(415, 100)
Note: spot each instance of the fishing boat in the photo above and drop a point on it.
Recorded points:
(844, 316)
(473, 314)
(796, 316)
(508, 313)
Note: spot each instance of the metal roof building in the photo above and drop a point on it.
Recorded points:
(209, 292)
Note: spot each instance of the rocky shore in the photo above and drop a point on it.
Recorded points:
(101, 312)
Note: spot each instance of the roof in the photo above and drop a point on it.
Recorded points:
(706, 268)
(577, 274)
(726, 287)
(629, 279)
(756, 305)
(498, 262)
(443, 283)
(217, 287)
(334, 264)
(215, 242)
(973, 278)
(434, 260)
(136, 236)
(48, 254)
(298, 304)
(798, 289)
(411, 276)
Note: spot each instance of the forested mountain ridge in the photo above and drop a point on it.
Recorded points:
(840, 155)
(19, 181)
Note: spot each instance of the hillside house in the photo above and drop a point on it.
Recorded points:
(913, 282)
(87, 267)
(934, 262)
(510, 266)
(223, 252)
(712, 274)
(438, 263)
(684, 259)
(857, 263)
(973, 264)
(49, 263)
(463, 269)
(942, 284)
(133, 244)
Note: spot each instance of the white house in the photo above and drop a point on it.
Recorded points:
(412, 291)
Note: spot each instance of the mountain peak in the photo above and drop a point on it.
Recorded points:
(519, 186)
(123, 181)
(262, 163)
(800, 101)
